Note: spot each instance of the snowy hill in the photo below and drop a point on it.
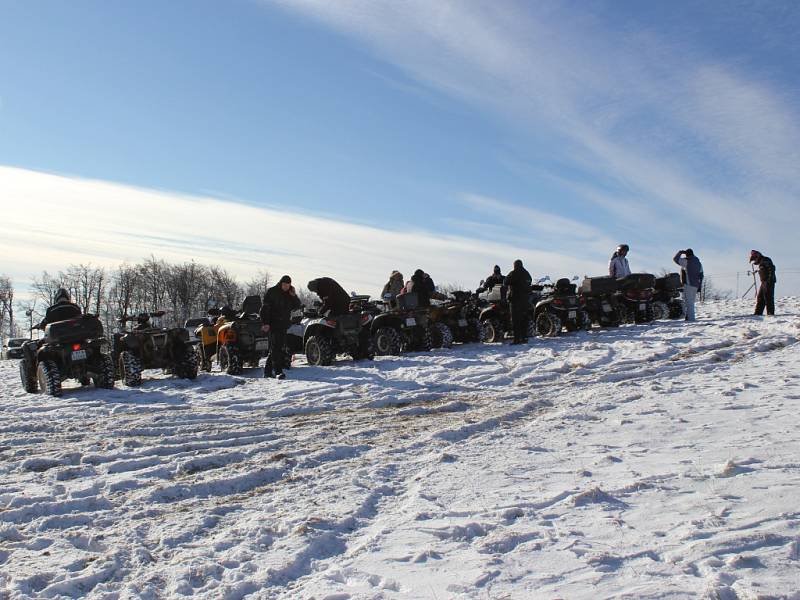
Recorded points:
(649, 461)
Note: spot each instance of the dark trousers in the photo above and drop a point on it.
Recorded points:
(519, 319)
(766, 299)
(276, 356)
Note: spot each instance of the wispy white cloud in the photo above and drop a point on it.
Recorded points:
(60, 220)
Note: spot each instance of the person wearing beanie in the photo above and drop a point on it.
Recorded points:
(496, 278)
(394, 286)
(691, 277)
(519, 282)
(766, 291)
(276, 316)
(422, 286)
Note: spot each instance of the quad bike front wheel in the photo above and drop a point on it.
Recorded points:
(130, 367)
(660, 310)
(387, 342)
(442, 336)
(548, 324)
(492, 332)
(319, 351)
(202, 362)
(187, 367)
(229, 360)
(28, 377)
(49, 378)
(677, 309)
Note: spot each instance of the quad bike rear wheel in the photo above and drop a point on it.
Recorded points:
(660, 310)
(442, 336)
(187, 367)
(49, 378)
(105, 376)
(229, 360)
(548, 324)
(203, 362)
(28, 377)
(130, 367)
(386, 341)
(677, 309)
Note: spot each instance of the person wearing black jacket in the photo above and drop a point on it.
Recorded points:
(496, 278)
(519, 299)
(423, 287)
(62, 309)
(335, 300)
(766, 291)
(276, 315)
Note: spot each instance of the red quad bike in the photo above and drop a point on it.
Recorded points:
(71, 349)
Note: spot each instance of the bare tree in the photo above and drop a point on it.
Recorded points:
(258, 285)
(46, 286)
(6, 304)
(708, 291)
(184, 285)
(86, 285)
(226, 289)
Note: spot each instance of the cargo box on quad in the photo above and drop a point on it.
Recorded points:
(85, 327)
(669, 283)
(599, 285)
(638, 281)
(497, 294)
(408, 301)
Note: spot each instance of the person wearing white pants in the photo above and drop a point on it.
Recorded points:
(692, 278)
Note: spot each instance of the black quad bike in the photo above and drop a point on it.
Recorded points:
(146, 346)
(460, 316)
(668, 291)
(326, 336)
(635, 297)
(240, 340)
(560, 307)
(71, 349)
(599, 295)
(495, 313)
(403, 326)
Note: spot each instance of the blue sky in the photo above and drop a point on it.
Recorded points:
(557, 129)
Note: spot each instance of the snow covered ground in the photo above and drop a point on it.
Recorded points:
(650, 461)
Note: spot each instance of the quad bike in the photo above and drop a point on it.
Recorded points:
(495, 314)
(240, 341)
(560, 307)
(206, 334)
(599, 296)
(635, 297)
(71, 349)
(147, 346)
(323, 337)
(403, 326)
(668, 296)
(456, 320)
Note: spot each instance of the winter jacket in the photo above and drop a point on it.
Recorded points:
(691, 270)
(766, 270)
(491, 281)
(423, 287)
(393, 287)
(60, 312)
(518, 281)
(276, 310)
(333, 296)
(618, 266)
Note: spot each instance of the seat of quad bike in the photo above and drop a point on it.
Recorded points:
(565, 286)
(251, 305)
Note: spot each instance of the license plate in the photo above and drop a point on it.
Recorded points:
(411, 322)
(262, 344)
(606, 307)
(79, 355)
(572, 314)
(462, 322)
(642, 306)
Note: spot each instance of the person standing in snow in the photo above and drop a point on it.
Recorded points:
(519, 300)
(691, 277)
(276, 315)
(618, 265)
(766, 291)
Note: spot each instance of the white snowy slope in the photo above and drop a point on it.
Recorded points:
(656, 461)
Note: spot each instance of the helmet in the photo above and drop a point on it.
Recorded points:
(623, 248)
(62, 297)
